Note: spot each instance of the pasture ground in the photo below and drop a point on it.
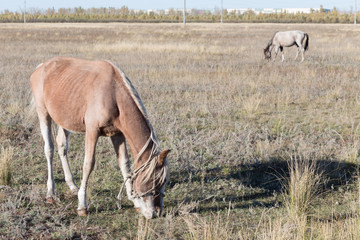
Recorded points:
(234, 123)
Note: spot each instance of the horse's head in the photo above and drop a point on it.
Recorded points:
(267, 53)
(149, 186)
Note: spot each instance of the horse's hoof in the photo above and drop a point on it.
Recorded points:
(82, 212)
(50, 200)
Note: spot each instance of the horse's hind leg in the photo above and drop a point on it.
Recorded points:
(124, 162)
(45, 127)
(62, 140)
(302, 54)
(300, 49)
(297, 53)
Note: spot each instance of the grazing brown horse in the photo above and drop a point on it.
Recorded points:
(97, 98)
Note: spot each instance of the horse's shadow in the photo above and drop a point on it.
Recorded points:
(259, 184)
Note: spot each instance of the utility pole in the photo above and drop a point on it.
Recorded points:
(355, 12)
(24, 11)
(184, 12)
(221, 13)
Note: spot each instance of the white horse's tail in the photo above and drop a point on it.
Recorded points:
(306, 46)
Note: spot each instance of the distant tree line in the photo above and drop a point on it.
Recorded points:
(124, 14)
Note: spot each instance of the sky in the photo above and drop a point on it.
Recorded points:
(18, 5)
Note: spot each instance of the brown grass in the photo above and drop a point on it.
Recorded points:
(6, 158)
(230, 117)
(302, 188)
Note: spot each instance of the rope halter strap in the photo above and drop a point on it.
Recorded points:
(150, 164)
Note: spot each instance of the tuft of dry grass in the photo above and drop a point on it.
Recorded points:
(6, 159)
(211, 228)
(302, 189)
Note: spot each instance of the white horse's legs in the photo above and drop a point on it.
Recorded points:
(276, 52)
(302, 54)
(297, 53)
(62, 143)
(124, 162)
(282, 53)
(45, 126)
(91, 137)
(300, 49)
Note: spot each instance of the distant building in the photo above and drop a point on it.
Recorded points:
(274, 10)
(300, 10)
(236, 11)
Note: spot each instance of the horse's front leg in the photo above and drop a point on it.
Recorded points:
(282, 53)
(276, 52)
(91, 137)
(123, 161)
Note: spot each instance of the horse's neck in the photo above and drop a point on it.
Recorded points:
(270, 45)
(138, 134)
(136, 130)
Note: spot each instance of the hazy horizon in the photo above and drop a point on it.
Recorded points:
(18, 5)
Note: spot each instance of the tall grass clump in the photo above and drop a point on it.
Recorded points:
(6, 157)
(301, 189)
(212, 228)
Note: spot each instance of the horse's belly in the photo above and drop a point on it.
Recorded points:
(69, 122)
(287, 43)
(67, 114)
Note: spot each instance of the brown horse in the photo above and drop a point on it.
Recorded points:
(97, 98)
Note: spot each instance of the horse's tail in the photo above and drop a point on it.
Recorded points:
(306, 46)
(30, 111)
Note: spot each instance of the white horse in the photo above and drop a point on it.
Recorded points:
(287, 39)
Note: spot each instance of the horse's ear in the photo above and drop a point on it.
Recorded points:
(162, 157)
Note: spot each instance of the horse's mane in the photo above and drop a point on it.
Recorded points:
(136, 98)
(155, 148)
(270, 41)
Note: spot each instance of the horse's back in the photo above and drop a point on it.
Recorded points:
(288, 38)
(71, 89)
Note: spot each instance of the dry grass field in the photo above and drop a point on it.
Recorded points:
(261, 149)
